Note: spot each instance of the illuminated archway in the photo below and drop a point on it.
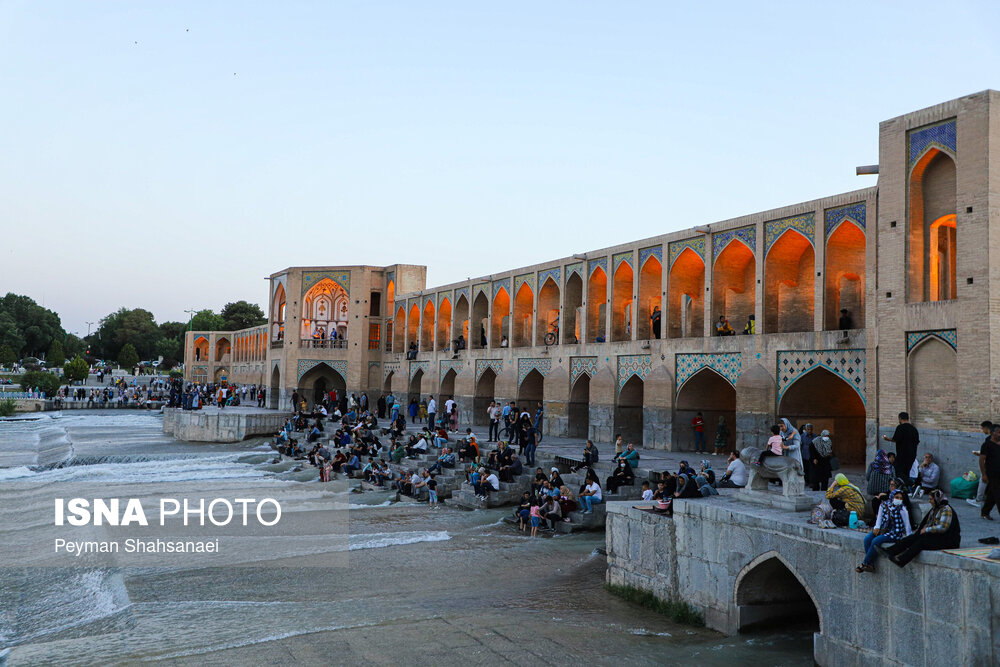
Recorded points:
(845, 275)
(826, 401)
(650, 298)
(687, 296)
(621, 303)
(597, 305)
(932, 236)
(500, 319)
(789, 284)
(444, 327)
(734, 284)
(524, 306)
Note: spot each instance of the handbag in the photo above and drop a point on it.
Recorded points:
(834, 463)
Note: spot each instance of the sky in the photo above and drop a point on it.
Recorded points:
(170, 156)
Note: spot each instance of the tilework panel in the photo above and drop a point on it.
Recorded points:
(622, 257)
(418, 366)
(747, 235)
(727, 364)
(855, 212)
(502, 283)
(429, 298)
(525, 366)
(441, 296)
(460, 292)
(483, 364)
(390, 367)
(400, 304)
(581, 366)
(594, 263)
(342, 278)
(646, 253)
(526, 278)
(805, 224)
(848, 364)
(306, 365)
(390, 277)
(677, 247)
(450, 365)
(481, 287)
(375, 364)
(940, 136)
(549, 273)
(576, 268)
(633, 364)
(949, 336)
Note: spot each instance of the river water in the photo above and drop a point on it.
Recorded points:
(420, 586)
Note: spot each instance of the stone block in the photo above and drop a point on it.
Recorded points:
(906, 633)
(943, 596)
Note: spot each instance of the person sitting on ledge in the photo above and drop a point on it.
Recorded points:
(567, 502)
(411, 352)
(590, 456)
(511, 468)
(736, 476)
(879, 474)
(622, 476)
(686, 487)
(591, 496)
(503, 341)
(845, 496)
(750, 328)
(722, 327)
(891, 525)
(705, 479)
(555, 479)
(445, 460)
(629, 455)
(938, 530)
(775, 445)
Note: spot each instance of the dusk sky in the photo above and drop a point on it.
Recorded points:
(171, 155)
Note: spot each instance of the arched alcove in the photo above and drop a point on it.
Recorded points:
(275, 389)
(319, 380)
(444, 316)
(621, 303)
(686, 296)
(447, 388)
(500, 319)
(480, 322)
(597, 305)
(485, 393)
(768, 594)
(734, 284)
(932, 370)
(531, 391)
(789, 284)
(524, 307)
(628, 410)
(572, 310)
(578, 410)
(548, 310)
(845, 275)
(711, 394)
(427, 328)
(932, 237)
(650, 298)
(825, 400)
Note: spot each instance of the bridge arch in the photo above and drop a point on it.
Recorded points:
(769, 589)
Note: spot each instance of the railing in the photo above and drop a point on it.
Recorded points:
(19, 394)
(324, 344)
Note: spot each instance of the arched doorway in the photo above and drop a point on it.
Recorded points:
(734, 284)
(597, 305)
(387, 383)
(221, 375)
(650, 298)
(711, 394)
(572, 310)
(201, 349)
(628, 411)
(826, 401)
(427, 328)
(578, 412)
(222, 349)
(485, 393)
(413, 327)
(548, 310)
(524, 307)
(845, 275)
(444, 327)
(531, 392)
(480, 322)
(275, 389)
(414, 388)
(768, 594)
(686, 296)
(789, 284)
(933, 384)
(447, 388)
(399, 331)
(278, 313)
(621, 303)
(460, 321)
(500, 319)
(932, 236)
(318, 380)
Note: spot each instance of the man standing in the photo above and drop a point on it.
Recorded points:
(655, 321)
(698, 424)
(989, 466)
(295, 401)
(493, 412)
(431, 412)
(906, 437)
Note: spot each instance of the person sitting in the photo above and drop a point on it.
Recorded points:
(938, 530)
(622, 476)
(489, 484)
(411, 352)
(891, 525)
(567, 503)
(750, 328)
(352, 464)
(775, 445)
(705, 479)
(684, 469)
(591, 495)
(551, 511)
(647, 493)
(722, 327)
(928, 474)
(590, 456)
(736, 476)
(397, 452)
(844, 496)
(686, 487)
(661, 492)
(879, 474)
(314, 434)
(417, 447)
(629, 454)
(445, 460)
(339, 459)
(511, 469)
(503, 341)
(555, 479)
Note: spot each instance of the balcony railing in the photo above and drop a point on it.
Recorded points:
(277, 344)
(324, 344)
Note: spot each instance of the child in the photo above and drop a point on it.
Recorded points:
(775, 445)
(432, 494)
(647, 493)
(536, 517)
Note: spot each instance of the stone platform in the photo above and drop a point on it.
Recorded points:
(227, 425)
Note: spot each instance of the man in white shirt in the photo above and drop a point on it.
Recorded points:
(494, 412)
(448, 405)
(489, 485)
(736, 474)
(591, 496)
(431, 412)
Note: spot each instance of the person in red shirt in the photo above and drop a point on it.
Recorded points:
(698, 423)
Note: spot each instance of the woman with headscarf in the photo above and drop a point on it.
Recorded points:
(938, 530)
(705, 480)
(845, 496)
(879, 474)
(821, 452)
(891, 525)
(793, 439)
(686, 487)
(721, 436)
(622, 476)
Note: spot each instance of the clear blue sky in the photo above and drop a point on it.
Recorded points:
(171, 155)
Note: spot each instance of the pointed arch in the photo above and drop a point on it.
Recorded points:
(845, 274)
(524, 308)
(572, 319)
(597, 305)
(933, 192)
(273, 394)
(769, 589)
(320, 380)
(711, 394)
(686, 297)
(789, 284)
(547, 311)
(223, 347)
(621, 303)
(201, 350)
(734, 284)
(481, 331)
(500, 318)
(827, 401)
(324, 312)
(444, 316)
(932, 383)
(413, 326)
(399, 330)
(649, 320)
(578, 409)
(446, 389)
(531, 391)
(460, 320)
(427, 327)
(485, 394)
(278, 313)
(628, 413)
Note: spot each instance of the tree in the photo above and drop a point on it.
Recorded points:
(241, 315)
(73, 346)
(56, 356)
(42, 381)
(30, 326)
(123, 327)
(76, 370)
(128, 357)
(207, 320)
(7, 356)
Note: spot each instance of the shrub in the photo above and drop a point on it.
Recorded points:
(678, 611)
(7, 407)
(128, 357)
(76, 370)
(45, 382)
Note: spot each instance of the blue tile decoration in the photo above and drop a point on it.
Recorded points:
(581, 366)
(418, 366)
(646, 253)
(504, 284)
(311, 278)
(481, 287)
(306, 365)
(522, 279)
(444, 296)
(389, 368)
(429, 299)
(460, 292)
(576, 268)
(390, 278)
(554, 274)
(601, 262)
(748, 235)
(847, 364)
(633, 364)
(400, 305)
(620, 257)
(853, 212)
(446, 365)
(482, 364)
(675, 248)
(941, 136)
(525, 366)
(805, 224)
(727, 364)
(949, 336)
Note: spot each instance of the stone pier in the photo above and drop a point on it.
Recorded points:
(227, 425)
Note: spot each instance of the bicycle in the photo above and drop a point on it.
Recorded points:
(552, 337)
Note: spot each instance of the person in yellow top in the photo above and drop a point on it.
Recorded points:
(844, 495)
